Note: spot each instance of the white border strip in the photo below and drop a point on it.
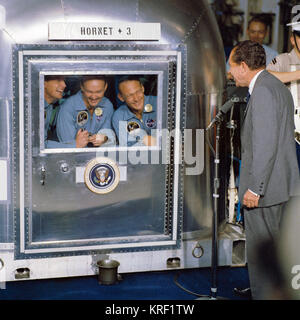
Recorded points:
(102, 247)
(115, 148)
(146, 238)
(21, 153)
(111, 61)
(102, 149)
(177, 146)
(99, 52)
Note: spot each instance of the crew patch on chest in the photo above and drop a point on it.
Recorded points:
(82, 118)
(132, 125)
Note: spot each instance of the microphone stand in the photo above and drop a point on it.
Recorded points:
(216, 196)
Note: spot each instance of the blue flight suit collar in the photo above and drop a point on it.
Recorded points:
(46, 104)
(80, 106)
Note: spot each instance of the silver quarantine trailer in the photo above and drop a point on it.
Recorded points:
(62, 209)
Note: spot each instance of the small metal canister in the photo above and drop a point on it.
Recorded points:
(108, 271)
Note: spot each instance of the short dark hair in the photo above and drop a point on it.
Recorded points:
(258, 18)
(83, 79)
(129, 78)
(53, 77)
(250, 52)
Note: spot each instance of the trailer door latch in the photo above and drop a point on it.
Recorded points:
(43, 175)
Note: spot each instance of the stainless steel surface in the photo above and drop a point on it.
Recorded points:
(191, 23)
(186, 26)
(56, 212)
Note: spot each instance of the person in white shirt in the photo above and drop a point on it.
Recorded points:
(286, 67)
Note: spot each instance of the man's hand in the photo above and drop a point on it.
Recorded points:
(250, 200)
(98, 139)
(149, 141)
(82, 138)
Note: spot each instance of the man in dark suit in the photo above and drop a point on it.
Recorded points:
(269, 172)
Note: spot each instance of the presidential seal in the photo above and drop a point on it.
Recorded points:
(101, 175)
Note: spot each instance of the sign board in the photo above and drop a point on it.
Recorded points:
(103, 31)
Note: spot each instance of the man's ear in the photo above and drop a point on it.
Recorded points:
(244, 66)
(121, 97)
(292, 40)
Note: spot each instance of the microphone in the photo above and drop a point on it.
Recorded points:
(223, 110)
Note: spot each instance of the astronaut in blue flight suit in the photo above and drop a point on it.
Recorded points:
(134, 120)
(85, 118)
(54, 86)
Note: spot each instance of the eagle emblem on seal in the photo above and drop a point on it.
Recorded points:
(102, 174)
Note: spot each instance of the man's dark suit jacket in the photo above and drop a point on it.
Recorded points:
(269, 164)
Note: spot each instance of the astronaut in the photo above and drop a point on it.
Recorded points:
(54, 86)
(257, 31)
(286, 67)
(134, 120)
(85, 118)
